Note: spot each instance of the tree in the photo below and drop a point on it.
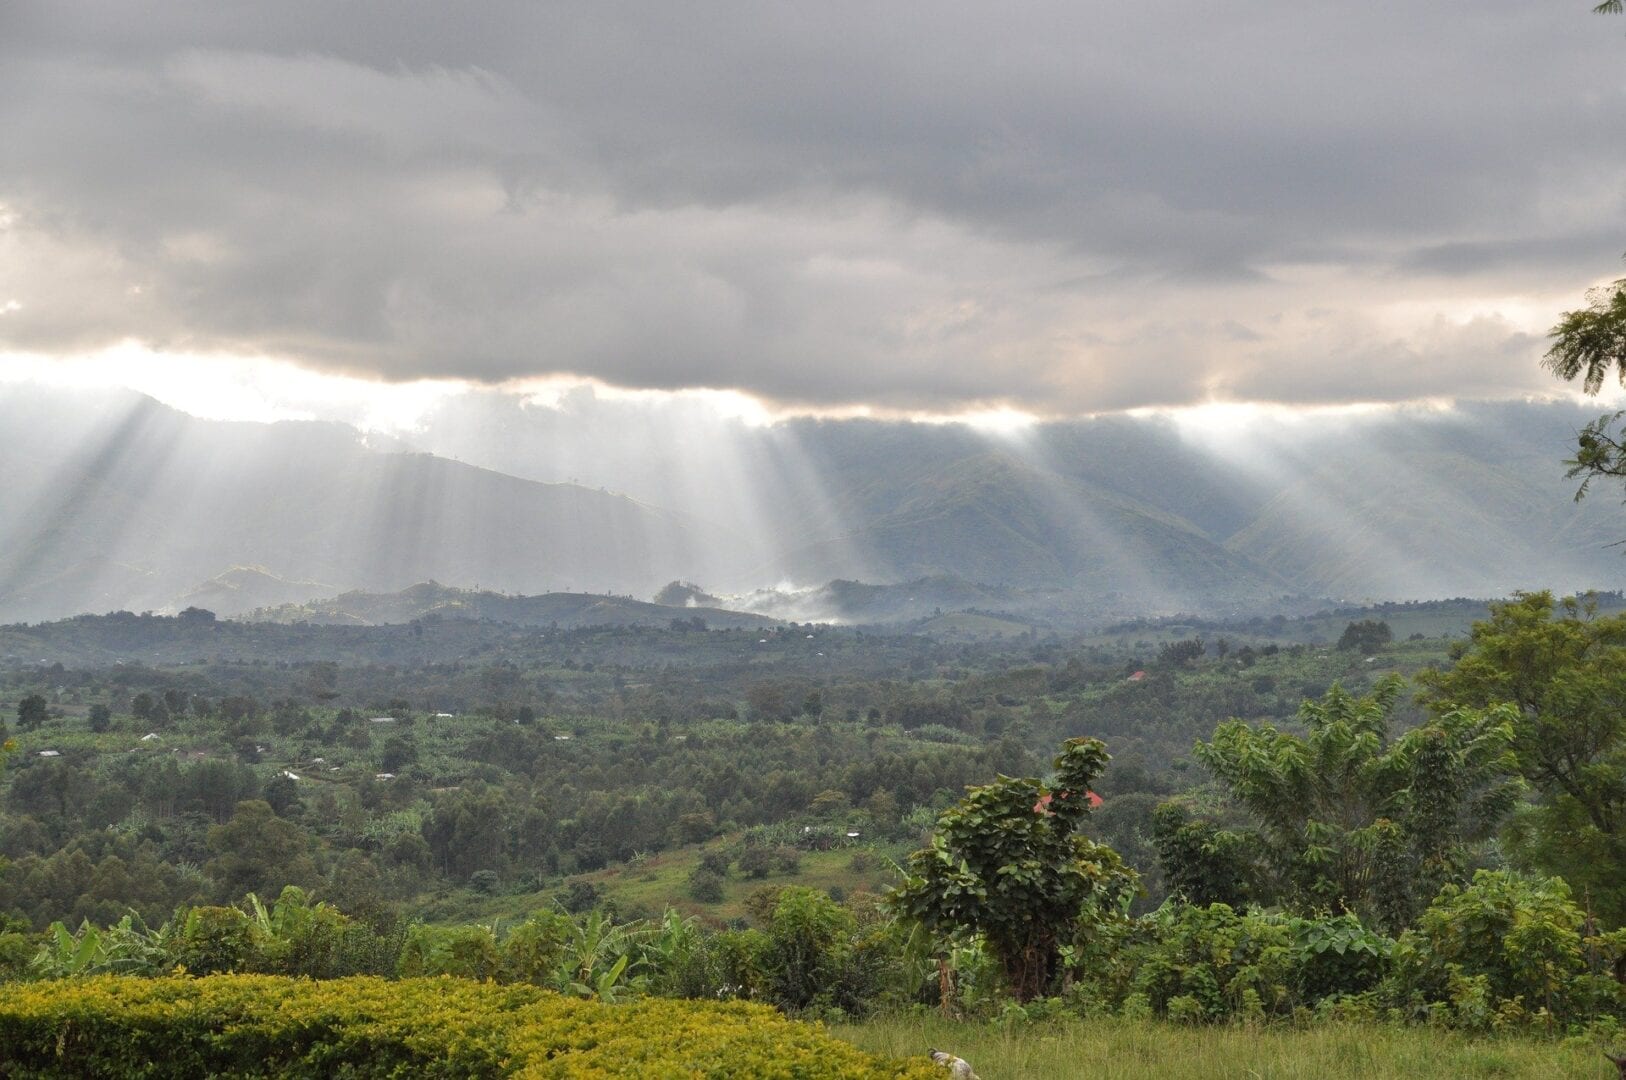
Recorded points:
(148, 710)
(399, 752)
(1201, 862)
(1587, 343)
(1366, 636)
(1353, 821)
(809, 949)
(767, 701)
(705, 886)
(1181, 653)
(468, 830)
(258, 852)
(1523, 937)
(101, 718)
(1008, 862)
(7, 747)
(31, 712)
(1562, 670)
(756, 862)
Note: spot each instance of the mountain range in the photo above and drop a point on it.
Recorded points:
(114, 501)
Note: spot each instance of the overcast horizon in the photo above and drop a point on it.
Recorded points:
(774, 210)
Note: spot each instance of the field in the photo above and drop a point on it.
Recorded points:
(652, 883)
(1122, 1050)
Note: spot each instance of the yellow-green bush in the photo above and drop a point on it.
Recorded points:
(262, 1025)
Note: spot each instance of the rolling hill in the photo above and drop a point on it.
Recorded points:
(567, 611)
(113, 501)
(131, 504)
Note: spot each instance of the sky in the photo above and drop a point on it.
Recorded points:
(362, 211)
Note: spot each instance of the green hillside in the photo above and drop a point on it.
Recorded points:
(564, 610)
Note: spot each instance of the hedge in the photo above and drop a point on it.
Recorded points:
(123, 1028)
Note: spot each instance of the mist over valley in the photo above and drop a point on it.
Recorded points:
(116, 502)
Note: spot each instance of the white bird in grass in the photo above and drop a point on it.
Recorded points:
(959, 1068)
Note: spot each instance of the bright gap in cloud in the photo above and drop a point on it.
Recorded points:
(227, 387)
(267, 389)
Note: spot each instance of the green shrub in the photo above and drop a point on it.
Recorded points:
(263, 1026)
(16, 952)
(1193, 963)
(705, 886)
(533, 949)
(1505, 950)
(212, 940)
(469, 952)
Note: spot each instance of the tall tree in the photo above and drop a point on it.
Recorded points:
(1562, 668)
(31, 712)
(1587, 343)
(1355, 820)
(1009, 863)
(258, 852)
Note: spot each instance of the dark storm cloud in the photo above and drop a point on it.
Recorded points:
(1064, 206)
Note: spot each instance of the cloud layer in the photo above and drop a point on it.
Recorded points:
(1061, 207)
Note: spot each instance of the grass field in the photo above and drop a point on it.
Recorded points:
(648, 887)
(1122, 1050)
(662, 880)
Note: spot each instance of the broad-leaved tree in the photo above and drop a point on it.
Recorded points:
(1009, 863)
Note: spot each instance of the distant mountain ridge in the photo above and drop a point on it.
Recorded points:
(246, 588)
(113, 501)
(130, 504)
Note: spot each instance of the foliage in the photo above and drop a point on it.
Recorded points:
(125, 947)
(1201, 862)
(1181, 653)
(706, 885)
(1365, 636)
(1007, 862)
(291, 937)
(1562, 669)
(1194, 963)
(653, 756)
(1481, 956)
(1356, 821)
(1504, 950)
(468, 952)
(1587, 342)
(596, 954)
(813, 958)
(31, 712)
(361, 1027)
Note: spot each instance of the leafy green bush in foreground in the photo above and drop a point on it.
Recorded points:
(257, 1025)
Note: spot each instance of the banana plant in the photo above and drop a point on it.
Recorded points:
(66, 954)
(595, 959)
